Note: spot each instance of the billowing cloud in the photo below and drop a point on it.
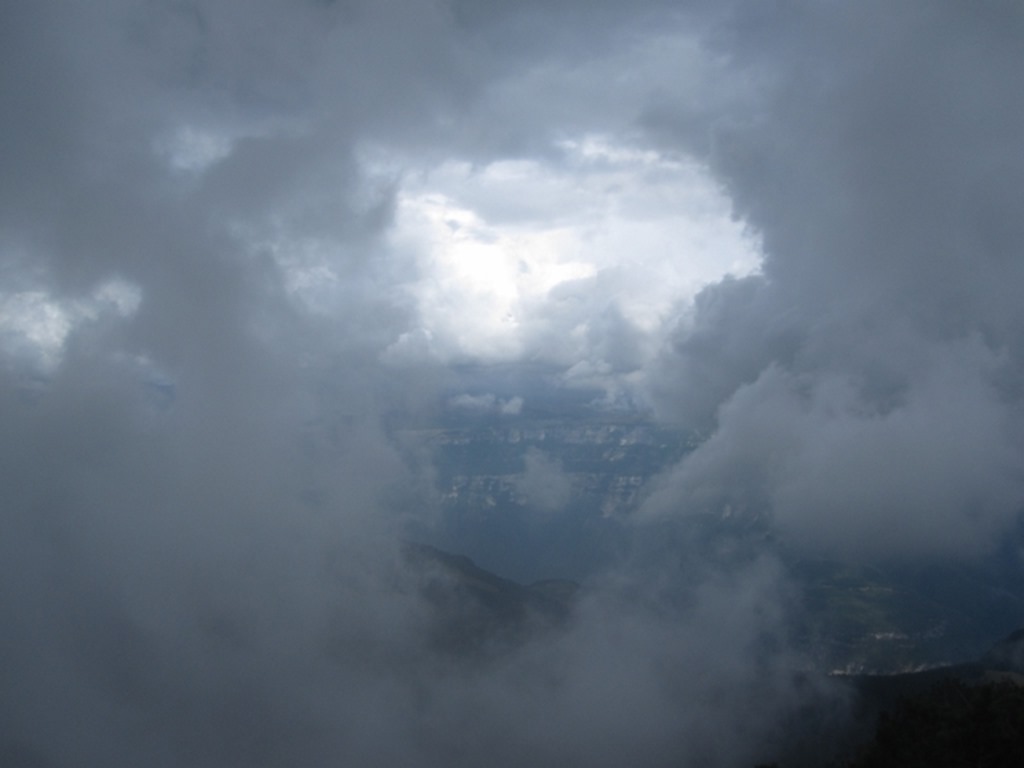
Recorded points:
(864, 389)
(523, 259)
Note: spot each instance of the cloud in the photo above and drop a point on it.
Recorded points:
(621, 686)
(487, 403)
(524, 258)
(544, 483)
(864, 389)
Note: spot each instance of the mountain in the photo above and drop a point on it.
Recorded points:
(554, 490)
(937, 716)
(967, 714)
(535, 495)
(956, 715)
(1007, 656)
(863, 619)
(476, 613)
(1002, 663)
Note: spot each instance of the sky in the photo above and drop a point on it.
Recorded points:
(236, 237)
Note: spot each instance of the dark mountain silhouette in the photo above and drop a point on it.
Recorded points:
(476, 612)
(968, 714)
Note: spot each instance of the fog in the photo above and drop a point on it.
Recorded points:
(240, 241)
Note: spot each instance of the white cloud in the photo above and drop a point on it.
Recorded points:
(543, 482)
(190, 149)
(35, 325)
(636, 229)
(511, 407)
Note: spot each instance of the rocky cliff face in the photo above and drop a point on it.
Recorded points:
(536, 498)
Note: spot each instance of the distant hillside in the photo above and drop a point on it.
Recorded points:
(477, 612)
(860, 619)
(958, 715)
(951, 724)
(1007, 655)
(1004, 662)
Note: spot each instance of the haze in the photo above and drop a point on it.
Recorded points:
(246, 248)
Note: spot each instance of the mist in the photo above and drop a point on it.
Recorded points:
(243, 245)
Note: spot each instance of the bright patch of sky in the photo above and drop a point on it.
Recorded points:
(498, 245)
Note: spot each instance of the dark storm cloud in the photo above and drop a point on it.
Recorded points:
(866, 389)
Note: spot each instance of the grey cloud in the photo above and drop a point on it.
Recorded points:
(173, 576)
(544, 483)
(734, 329)
(487, 404)
(867, 384)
